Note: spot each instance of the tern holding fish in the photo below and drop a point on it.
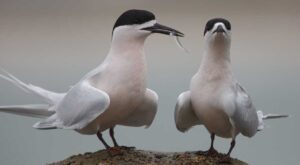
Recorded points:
(114, 93)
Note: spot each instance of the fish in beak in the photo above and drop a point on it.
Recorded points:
(158, 28)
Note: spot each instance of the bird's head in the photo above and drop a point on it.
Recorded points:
(138, 24)
(217, 32)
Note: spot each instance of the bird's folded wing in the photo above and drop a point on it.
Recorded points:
(82, 104)
(184, 115)
(145, 113)
(245, 116)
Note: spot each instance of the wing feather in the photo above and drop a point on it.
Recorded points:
(184, 115)
(245, 116)
(82, 104)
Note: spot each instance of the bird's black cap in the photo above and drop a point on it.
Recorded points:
(210, 24)
(134, 16)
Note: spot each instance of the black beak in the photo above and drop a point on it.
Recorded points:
(219, 30)
(158, 28)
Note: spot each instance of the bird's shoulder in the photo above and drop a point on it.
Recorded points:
(235, 93)
(96, 73)
(242, 97)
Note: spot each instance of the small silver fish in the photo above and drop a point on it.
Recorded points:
(179, 44)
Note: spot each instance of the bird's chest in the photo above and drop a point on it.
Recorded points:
(206, 93)
(211, 91)
(207, 102)
(128, 94)
(126, 85)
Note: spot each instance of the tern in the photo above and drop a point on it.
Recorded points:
(216, 100)
(114, 93)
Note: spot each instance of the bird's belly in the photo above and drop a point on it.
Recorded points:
(215, 120)
(207, 101)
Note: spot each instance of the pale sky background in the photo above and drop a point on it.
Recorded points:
(53, 43)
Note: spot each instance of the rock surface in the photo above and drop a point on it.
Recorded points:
(137, 157)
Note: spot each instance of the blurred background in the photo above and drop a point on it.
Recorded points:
(54, 43)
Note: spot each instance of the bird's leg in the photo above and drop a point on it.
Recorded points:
(226, 158)
(112, 151)
(116, 145)
(99, 135)
(232, 144)
(211, 151)
(112, 135)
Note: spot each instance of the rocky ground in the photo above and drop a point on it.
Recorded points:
(138, 157)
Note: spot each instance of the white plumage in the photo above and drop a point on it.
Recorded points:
(215, 99)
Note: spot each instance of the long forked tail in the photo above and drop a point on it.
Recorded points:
(48, 96)
(38, 111)
(262, 117)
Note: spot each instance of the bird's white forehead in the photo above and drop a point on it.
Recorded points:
(217, 24)
(147, 24)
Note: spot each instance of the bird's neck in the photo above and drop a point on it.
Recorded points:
(216, 58)
(126, 44)
(127, 55)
